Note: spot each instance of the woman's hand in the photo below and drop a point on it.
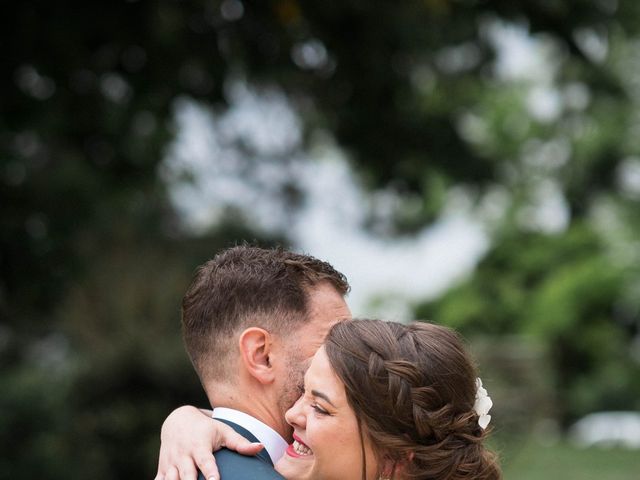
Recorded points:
(187, 440)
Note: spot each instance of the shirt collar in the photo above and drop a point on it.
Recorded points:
(272, 441)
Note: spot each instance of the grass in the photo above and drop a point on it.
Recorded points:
(533, 461)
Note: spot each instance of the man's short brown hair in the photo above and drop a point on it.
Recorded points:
(248, 286)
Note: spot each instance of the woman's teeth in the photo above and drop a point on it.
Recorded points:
(301, 449)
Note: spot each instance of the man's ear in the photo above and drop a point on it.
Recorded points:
(255, 350)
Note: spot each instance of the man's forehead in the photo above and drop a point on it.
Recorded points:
(326, 302)
(312, 334)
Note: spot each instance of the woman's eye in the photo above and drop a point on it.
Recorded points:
(319, 409)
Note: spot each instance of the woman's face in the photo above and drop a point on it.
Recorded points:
(326, 442)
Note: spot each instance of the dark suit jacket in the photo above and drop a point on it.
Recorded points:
(233, 466)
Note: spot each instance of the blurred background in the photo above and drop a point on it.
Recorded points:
(471, 162)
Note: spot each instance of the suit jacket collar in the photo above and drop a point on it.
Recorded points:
(262, 454)
(274, 444)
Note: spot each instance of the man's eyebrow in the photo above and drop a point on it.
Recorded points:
(316, 393)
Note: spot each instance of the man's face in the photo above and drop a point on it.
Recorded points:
(326, 307)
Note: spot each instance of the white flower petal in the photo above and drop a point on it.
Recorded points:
(483, 405)
(484, 420)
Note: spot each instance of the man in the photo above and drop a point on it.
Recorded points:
(252, 319)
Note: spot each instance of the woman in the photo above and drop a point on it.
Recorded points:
(384, 400)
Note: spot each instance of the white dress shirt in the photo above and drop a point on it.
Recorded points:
(272, 441)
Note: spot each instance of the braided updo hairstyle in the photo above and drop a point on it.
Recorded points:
(412, 388)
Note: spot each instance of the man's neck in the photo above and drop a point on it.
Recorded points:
(252, 402)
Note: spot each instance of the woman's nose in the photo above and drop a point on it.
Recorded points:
(295, 415)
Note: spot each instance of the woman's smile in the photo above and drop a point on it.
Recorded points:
(298, 449)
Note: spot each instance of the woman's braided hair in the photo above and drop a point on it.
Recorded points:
(412, 388)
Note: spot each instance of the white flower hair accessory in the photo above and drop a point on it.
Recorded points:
(482, 405)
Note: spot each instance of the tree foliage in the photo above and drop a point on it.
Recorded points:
(94, 258)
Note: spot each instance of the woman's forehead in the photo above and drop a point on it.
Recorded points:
(319, 366)
(321, 375)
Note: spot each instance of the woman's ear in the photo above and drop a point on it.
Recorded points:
(392, 469)
(255, 350)
(388, 469)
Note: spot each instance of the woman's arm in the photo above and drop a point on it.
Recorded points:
(187, 440)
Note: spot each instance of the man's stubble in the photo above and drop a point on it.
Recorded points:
(293, 387)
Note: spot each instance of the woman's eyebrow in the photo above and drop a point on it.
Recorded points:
(316, 393)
